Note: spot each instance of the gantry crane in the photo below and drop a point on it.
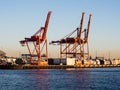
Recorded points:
(75, 44)
(40, 45)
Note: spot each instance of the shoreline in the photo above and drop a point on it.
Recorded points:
(54, 66)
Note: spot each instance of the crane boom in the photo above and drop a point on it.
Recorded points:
(88, 27)
(46, 25)
(75, 45)
(81, 23)
(39, 39)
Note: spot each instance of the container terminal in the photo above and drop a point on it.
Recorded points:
(74, 51)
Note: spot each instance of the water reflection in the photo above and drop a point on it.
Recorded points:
(56, 79)
(60, 79)
(40, 79)
(69, 79)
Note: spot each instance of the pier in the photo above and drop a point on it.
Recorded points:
(54, 66)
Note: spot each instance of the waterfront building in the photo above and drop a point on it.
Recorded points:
(2, 54)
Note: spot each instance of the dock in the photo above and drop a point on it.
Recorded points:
(54, 66)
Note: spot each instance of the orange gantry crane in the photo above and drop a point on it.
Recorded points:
(40, 44)
(75, 44)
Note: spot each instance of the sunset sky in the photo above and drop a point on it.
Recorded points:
(22, 18)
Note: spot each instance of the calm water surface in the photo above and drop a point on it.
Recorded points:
(56, 79)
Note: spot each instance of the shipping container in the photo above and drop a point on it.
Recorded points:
(57, 61)
(70, 61)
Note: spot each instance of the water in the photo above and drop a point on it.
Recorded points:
(56, 79)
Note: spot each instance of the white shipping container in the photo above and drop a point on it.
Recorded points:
(9, 60)
(92, 62)
(70, 61)
(98, 62)
(115, 62)
(106, 62)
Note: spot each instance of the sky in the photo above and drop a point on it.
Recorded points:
(22, 18)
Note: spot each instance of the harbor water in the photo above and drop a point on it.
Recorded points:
(61, 79)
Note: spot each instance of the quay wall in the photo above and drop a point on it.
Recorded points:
(54, 66)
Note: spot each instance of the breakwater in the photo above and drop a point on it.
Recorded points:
(54, 66)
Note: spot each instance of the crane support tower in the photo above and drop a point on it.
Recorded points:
(40, 44)
(75, 45)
